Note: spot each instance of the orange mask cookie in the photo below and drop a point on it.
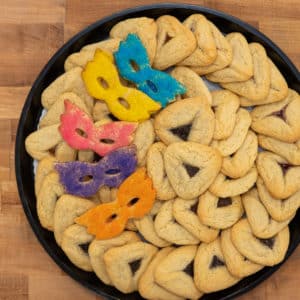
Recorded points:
(135, 198)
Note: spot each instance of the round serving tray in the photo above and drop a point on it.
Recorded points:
(32, 110)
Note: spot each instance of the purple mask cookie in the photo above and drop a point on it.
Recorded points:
(84, 179)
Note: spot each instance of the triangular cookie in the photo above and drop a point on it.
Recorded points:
(70, 81)
(279, 210)
(257, 87)
(145, 227)
(266, 252)
(289, 151)
(178, 155)
(236, 165)
(231, 144)
(211, 273)
(237, 264)
(278, 88)
(206, 50)
(126, 264)
(189, 119)
(281, 179)
(67, 208)
(175, 42)
(224, 53)
(241, 66)
(262, 225)
(147, 285)
(75, 243)
(98, 247)
(144, 27)
(51, 189)
(167, 228)
(44, 167)
(41, 142)
(185, 213)
(175, 272)
(218, 212)
(279, 120)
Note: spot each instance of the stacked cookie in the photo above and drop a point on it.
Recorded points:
(224, 164)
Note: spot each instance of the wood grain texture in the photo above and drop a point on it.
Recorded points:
(30, 32)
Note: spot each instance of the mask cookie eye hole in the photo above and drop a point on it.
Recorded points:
(134, 65)
(81, 132)
(103, 83)
(133, 201)
(152, 86)
(112, 171)
(111, 218)
(107, 141)
(86, 178)
(124, 103)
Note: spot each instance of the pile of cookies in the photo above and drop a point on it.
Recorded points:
(224, 163)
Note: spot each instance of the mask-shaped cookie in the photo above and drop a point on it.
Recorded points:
(241, 66)
(211, 273)
(237, 264)
(266, 252)
(175, 272)
(258, 86)
(75, 243)
(191, 168)
(224, 53)
(168, 229)
(195, 86)
(84, 179)
(262, 225)
(235, 140)
(102, 81)
(289, 151)
(225, 105)
(80, 59)
(175, 42)
(143, 139)
(278, 89)
(67, 208)
(279, 210)
(225, 187)
(51, 189)
(133, 260)
(145, 226)
(281, 179)
(217, 212)
(206, 50)
(156, 171)
(279, 120)
(185, 213)
(70, 81)
(190, 119)
(133, 65)
(145, 28)
(41, 142)
(98, 248)
(147, 285)
(238, 164)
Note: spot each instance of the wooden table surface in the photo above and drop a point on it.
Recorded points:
(30, 32)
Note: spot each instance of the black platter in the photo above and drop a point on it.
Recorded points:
(55, 67)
